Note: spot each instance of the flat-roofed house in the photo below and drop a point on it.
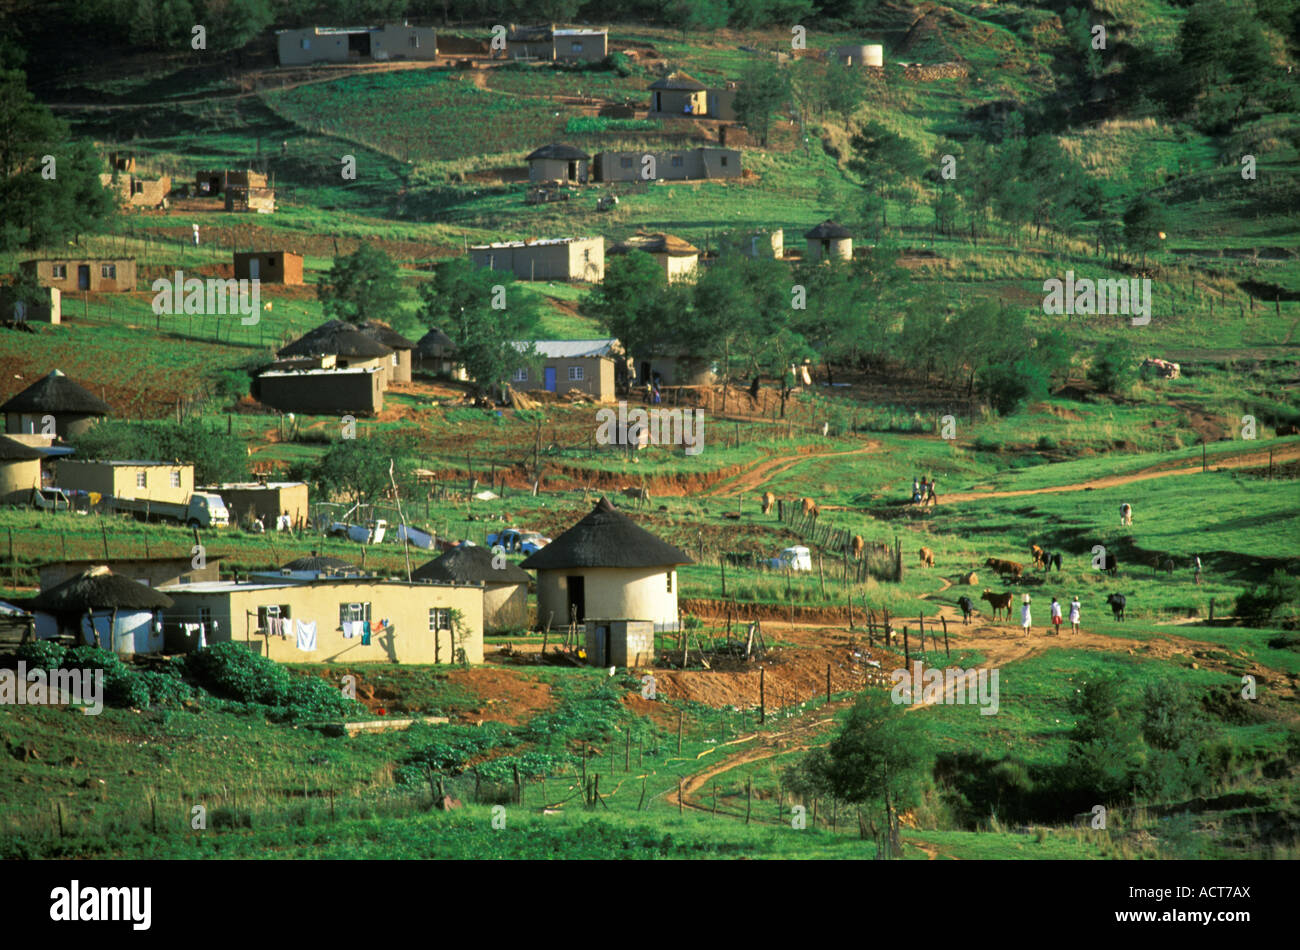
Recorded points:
(265, 500)
(332, 619)
(605, 567)
(323, 391)
(137, 192)
(53, 405)
(348, 44)
(47, 308)
(678, 258)
(558, 162)
(101, 275)
(546, 259)
(586, 365)
(129, 479)
(505, 589)
(548, 43)
(270, 267)
(686, 164)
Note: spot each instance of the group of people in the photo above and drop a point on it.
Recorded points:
(923, 491)
(1075, 610)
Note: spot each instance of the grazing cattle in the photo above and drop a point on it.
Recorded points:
(927, 557)
(637, 494)
(1117, 602)
(1110, 564)
(1169, 566)
(1039, 555)
(1054, 561)
(1125, 514)
(1004, 567)
(998, 602)
(858, 545)
(967, 607)
(741, 558)
(768, 501)
(809, 507)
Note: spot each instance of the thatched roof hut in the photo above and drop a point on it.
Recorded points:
(337, 338)
(98, 588)
(469, 564)
(606, 538)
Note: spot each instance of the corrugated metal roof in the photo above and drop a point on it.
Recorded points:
(319, 372)
(533, 243)
(570, 349)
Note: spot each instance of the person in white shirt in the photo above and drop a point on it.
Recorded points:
(1025, 620)
(1074, 615)
(1056, 616)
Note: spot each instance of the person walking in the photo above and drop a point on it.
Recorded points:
(196, 235)
(1196, 566)
(1075, 607)
(931, 498)
(1056, 616)
(916, 490)
(1025, 620)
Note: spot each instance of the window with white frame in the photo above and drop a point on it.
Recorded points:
(176, 479)
(141, 480)
(520, 376)
(108, 270)
(575, 373)
(59, 271)
(271, 612)
(353, 613)
(439, 619)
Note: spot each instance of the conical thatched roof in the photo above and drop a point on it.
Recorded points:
(606, 538)
(57, 393)
(559, 151)
(385, 335)
(469, 565)
(319, 564)
(828, 230)
(99, 589)
(657, 242)
(434, 337)
(336, 338)
(679, 81)
(11, 450)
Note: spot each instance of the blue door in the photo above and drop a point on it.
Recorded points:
(550, 379)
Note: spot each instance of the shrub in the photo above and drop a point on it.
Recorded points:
(232, 671)
(1275, 601)
(46, 654)
(1113, 368)
(1008, 386)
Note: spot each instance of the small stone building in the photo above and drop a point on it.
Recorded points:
(558, 162)
(570, 259)
(829, 241)
(101, 275)
(137, 192)
(626, 643)
(270, 267)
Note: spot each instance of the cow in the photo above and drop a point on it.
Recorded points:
(1004, 567)
(637, 494)
(768, 501)
(998, 602)
(740, 558)
(1125, 514)
(1038, 555)
(858, 545)
(1169, 566)
(967, 607)
(809, 507)
(1054, 561)
(1110, 564)
(1117, 602)
(927, 557)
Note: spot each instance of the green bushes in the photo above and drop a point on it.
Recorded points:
(232, 671)
(1275, 602)
(123, 686)
(599, 123)
(1114, 367)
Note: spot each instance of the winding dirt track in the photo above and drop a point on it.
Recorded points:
(753, 478)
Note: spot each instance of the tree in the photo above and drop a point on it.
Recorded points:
(487, 314)
(216, 457)
(764, 88)
(356, 469)
(1114, 366)
(1105, 746)
(884, 160)
(1144, 222)
(44, 202)
(362, 286)
(700, 16)
(628, 301)
(875, 758)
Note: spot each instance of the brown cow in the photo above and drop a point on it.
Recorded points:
(1004, 567)
(858, 545)
(768, 501)
(927, 557)
(809, 507)
(998, 602)
(1038, 554)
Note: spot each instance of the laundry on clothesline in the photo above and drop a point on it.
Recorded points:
(307, 635)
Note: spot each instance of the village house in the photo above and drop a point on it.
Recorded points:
(669, 164)
(435, 354)
(71, 409)
(101, 275)
(670, 364)
(547, 259)
(678, 258)
(349, 347)
(358, 390)
(213, 183)
(558, 162)
(128, 479)
(829, 241)
(678, 94)
(620, 642)
(20, 471)
(331, 620)
(505, 589)
(100, 608)
(138, 192)
(265, 500)
(351, 44)
(585, 365)
(249, 198)
(311, 568)
(48, 309)
(270, 267)
(606, 567)
(150, 571)
(399, 369)
(548, 43)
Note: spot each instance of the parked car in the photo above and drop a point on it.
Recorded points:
(372, 533)
(51, 499)
(508, 538)
(533, 542)
(796, 558)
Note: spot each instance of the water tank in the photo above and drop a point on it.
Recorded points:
(860, 55)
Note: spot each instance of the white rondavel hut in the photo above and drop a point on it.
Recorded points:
(103, 609)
